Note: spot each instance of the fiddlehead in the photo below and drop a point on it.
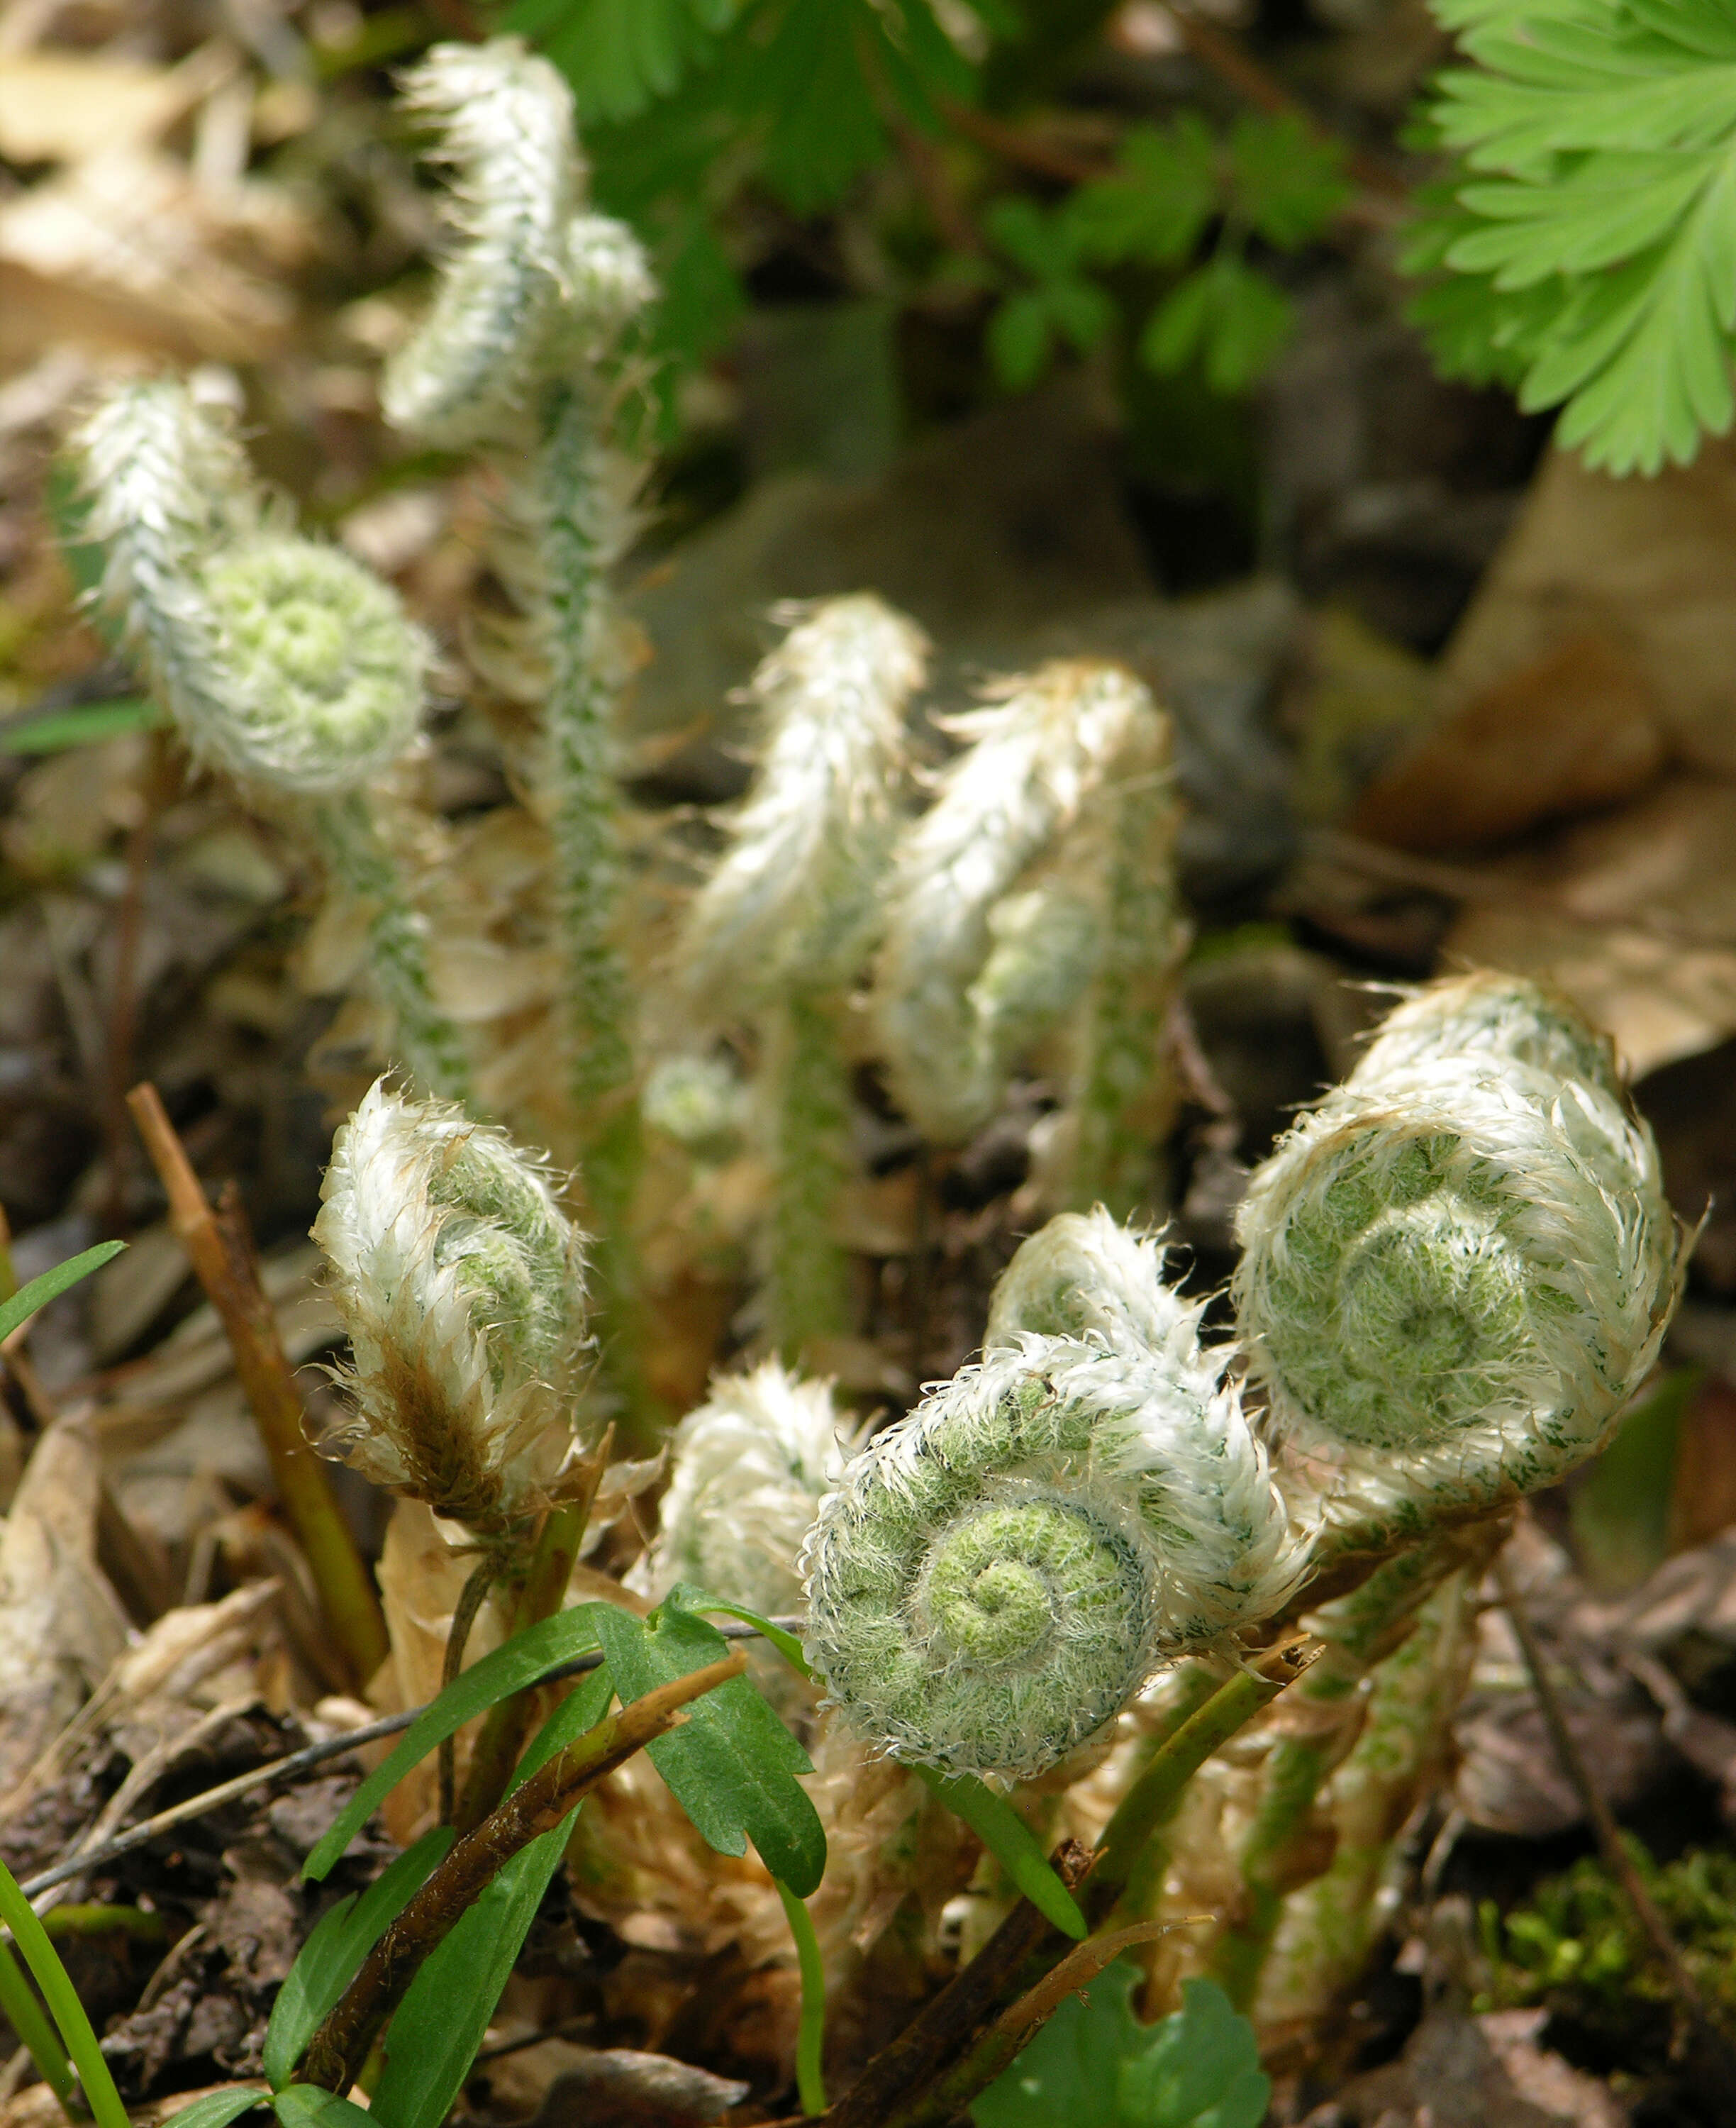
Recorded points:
(1457, 1269)
(749, 1470)
(998, 1575)
(474, 366)
(461, 1284)
(321, 674)
(779, 931)
(1025, 884)
(282, 662)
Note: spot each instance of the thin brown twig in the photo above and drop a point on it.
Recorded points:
(339, 2048)
(1617, 1859)
(219, 1247)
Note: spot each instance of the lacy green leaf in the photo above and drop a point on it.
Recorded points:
(1587, 245)
(1287, 181)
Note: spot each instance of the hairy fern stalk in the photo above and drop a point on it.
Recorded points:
(515, 357)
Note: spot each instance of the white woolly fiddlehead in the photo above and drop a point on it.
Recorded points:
(999, 1575)
(319, 673)
(792, 898)
(1457, 1269)
(750, 1468)
(780, 930)
(282, 661)
(473, 366)
(1501, 1018)
(998, 907)
(168, 485)
(461, 1284)
(1085, 1275)
(515, 352)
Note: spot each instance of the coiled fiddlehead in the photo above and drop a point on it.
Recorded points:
(474, 366)
(999, 1575)
(283, 662)
(1457, 1269)
(778, 932)
(749, 1470)
(461, 1284)
(321, 675)
(1039, 879)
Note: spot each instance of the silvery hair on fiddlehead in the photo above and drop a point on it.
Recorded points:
(999, 1575)
(506, 126)
(749, 1470)
(997, 905)
(1457, 1269)
(461, 1284)
(285, 662)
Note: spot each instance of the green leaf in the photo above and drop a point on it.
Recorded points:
(218, 2108)
(1156, 206)
(1093, 2065)
(54, 731)
(1018, 341)
(306, 2106)
(688, 1596)
(732, 1764)
(527, 1657)
(1083, 311)
(439, 2025)
(52, 1284)
(1201, 2065)
(1592, 222)
(1227, 316)
(622, 54)
(1042, 244)
(1287, 181)
(1011, 1841)
(332, 1956)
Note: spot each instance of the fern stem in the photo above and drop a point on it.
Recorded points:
(577, 535)
(1277, 1856)
(807, 1286)
(1128, 1096)
(361, 860)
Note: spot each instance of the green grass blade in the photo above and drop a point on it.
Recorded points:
(23, 2012)
(527, 1657)
(332, 1956)
(52, 1284)
(56, 731)
(434, 2037)
(51, 1976)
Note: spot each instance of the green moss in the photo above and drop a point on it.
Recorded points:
(1575, 1945)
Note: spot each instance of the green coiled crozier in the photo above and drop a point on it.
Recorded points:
(1457, 1269)
(996, 1577)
